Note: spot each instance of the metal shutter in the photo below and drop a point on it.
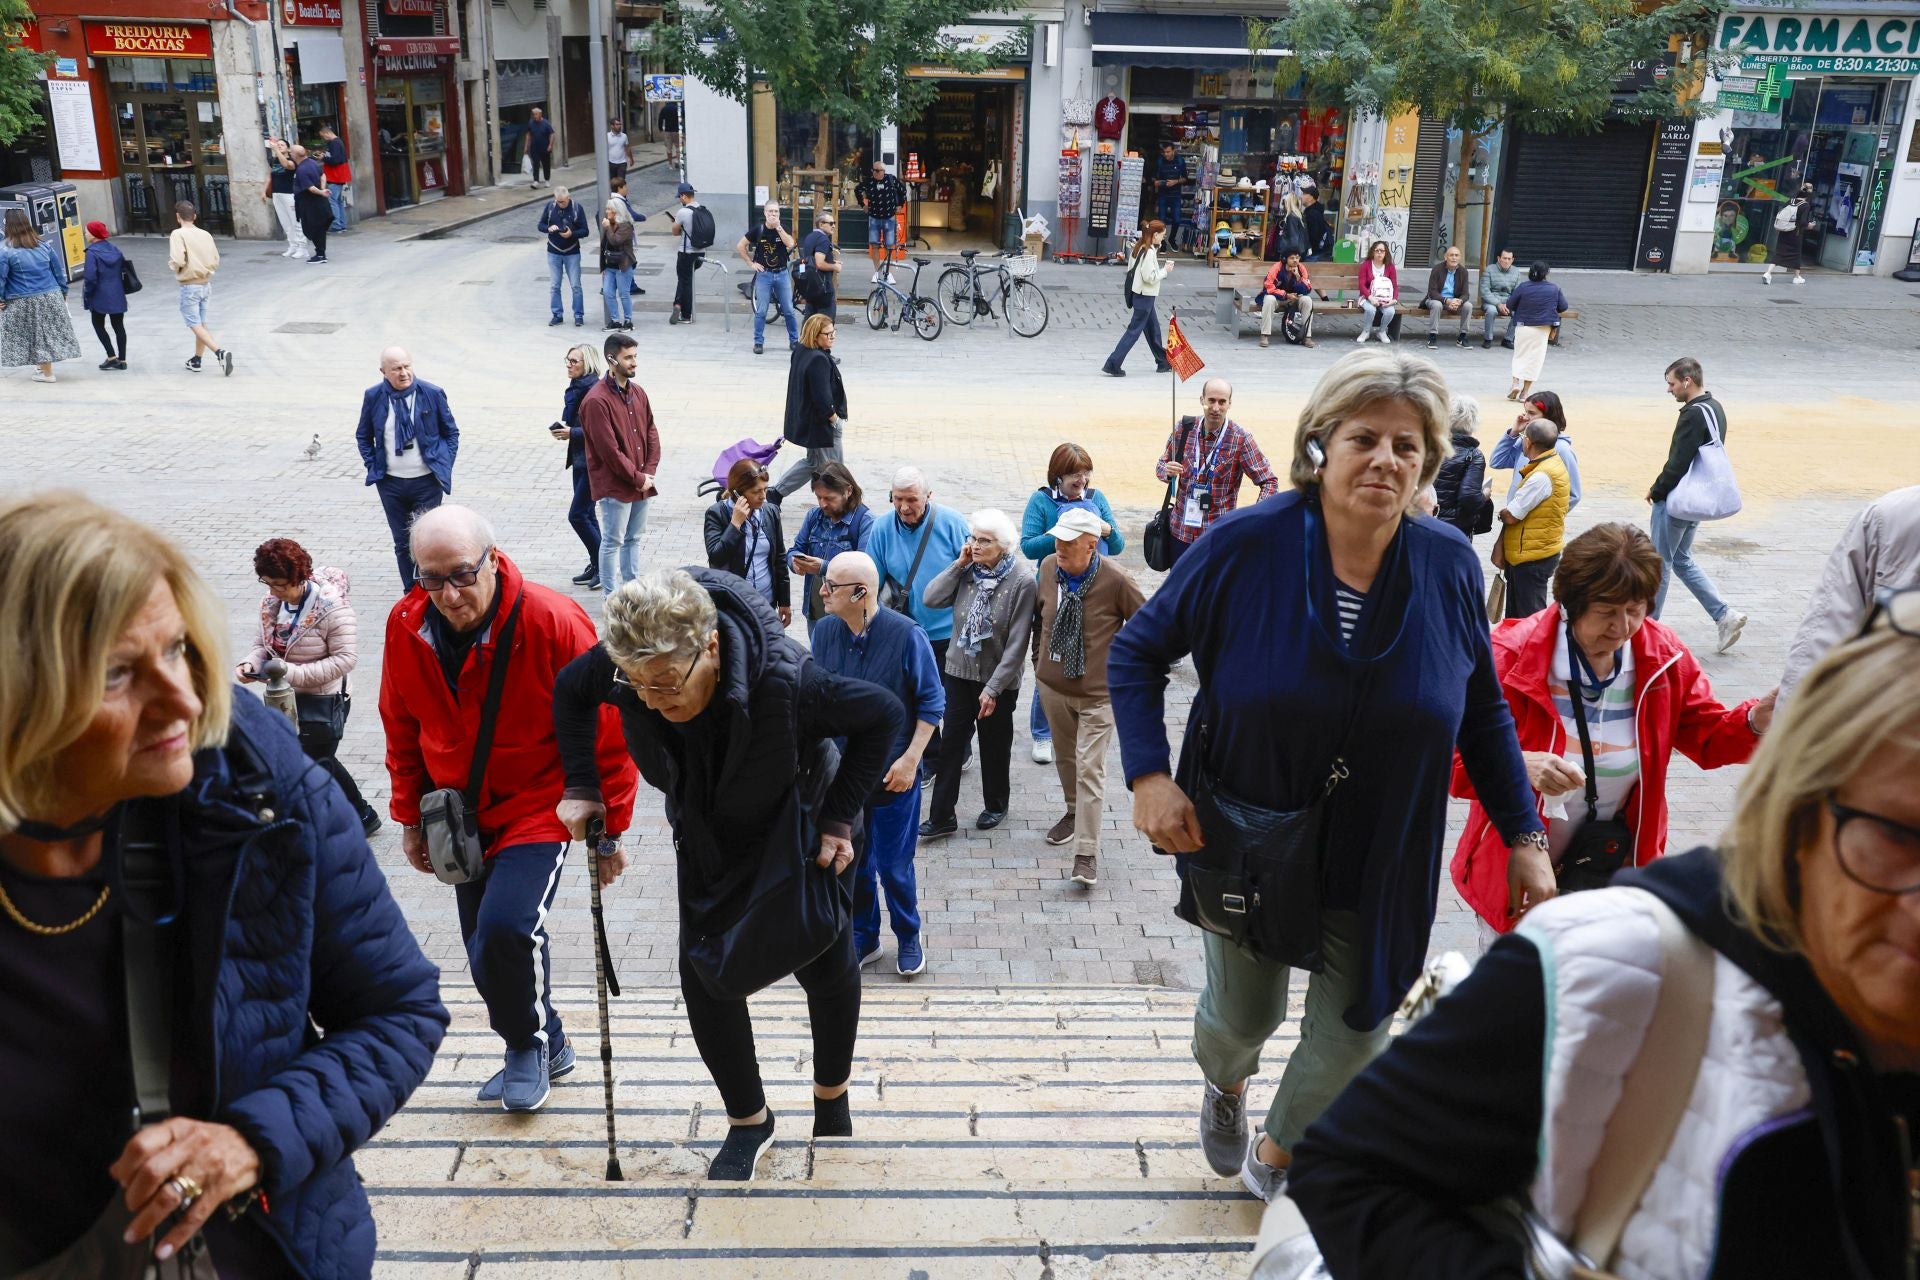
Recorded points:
(1574, 200)
(1429, 177)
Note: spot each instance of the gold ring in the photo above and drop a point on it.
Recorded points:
(185, 1187)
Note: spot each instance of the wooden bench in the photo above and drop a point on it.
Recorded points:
(1237, 304)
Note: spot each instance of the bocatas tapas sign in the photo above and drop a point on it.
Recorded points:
(148, 40)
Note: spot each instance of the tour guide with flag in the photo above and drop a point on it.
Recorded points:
(1208, 455)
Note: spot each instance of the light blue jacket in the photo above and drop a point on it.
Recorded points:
(1506, 456)
(1043, 510)
(892, 546)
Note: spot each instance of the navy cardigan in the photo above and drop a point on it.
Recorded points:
(1253, 603)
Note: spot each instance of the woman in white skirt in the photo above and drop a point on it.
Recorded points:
(34, 325)
(1536, 306)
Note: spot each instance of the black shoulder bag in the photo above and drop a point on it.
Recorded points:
(450, 817)
(898, 596)
(1156, 544)
(1598, 848)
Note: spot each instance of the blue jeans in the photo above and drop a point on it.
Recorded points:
(621, 524)
(616, 291)
(564, 266)
(892, 834)
(503, 921)
(581, 516)
(1037, 724)
(339, 204)
(1145, 321)
(402, 500)
(1673, 539)
(775, 286)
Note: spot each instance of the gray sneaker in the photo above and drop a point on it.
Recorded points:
(1731, 624)
(1262, 1181)
(1223, 1130)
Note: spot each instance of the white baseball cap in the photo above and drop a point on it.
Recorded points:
(1074, 523)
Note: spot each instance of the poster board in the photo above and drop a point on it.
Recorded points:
(1126, 218)
(1102, 189)
(1666, 183)
(71, 103)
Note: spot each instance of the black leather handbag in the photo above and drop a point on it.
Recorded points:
(1599, 848)
(1157, 543)
(788, 911)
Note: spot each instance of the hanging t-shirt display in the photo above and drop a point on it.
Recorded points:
(1126, 218)
(1100, 195)
(1109, 118)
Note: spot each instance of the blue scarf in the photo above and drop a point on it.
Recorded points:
(979, 623)
(403, 433)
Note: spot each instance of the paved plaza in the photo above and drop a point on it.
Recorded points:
(1819, 384)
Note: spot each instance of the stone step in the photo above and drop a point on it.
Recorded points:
(1042, 1133)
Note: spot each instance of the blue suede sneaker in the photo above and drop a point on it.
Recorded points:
(559, 1063)
(912, 960)
(526, 1084)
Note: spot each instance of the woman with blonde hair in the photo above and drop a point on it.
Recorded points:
(193, 933)
(1341, 649)
(816, 404)
(583, 370)
(1750, 1013)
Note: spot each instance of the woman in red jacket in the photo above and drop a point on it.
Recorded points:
(1642, 696)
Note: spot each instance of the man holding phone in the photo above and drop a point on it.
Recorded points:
(768, 248)
(564, 223)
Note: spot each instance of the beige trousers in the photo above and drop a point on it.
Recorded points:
(1082, 732)
(1269, 303)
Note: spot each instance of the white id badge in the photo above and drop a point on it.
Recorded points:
(1193, 518)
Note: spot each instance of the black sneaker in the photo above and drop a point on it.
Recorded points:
(107, 363)
(931, 830)
(369, 822)
(1433, 342)
(553, 322)
(1486, 344)
(1464, 343)
(586, 575)
(675, 317)
(740, 1154)
(318, 257)
(758, 348)
(579, 322)
(225, 357)
(193, 364)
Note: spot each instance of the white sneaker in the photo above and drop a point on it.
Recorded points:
(1043, 751)
(1766, 277)
(44, 377)
(1386, 339)
(1731, 624)
(1799, 279)
(874, 278)
(892, 279)
(1363, 335)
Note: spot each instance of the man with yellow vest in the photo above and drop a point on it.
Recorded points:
(1536, 522)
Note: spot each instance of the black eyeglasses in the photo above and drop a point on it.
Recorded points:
(1877, 853)
(830, 586)
(1901, 608)
(271, 585)
(431, 582)
(660, 690)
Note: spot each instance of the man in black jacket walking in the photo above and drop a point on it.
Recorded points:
(564, 223)
(1701, 419)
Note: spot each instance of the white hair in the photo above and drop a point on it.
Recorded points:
(1463, 415)
(561, 191)
(618, 208)
(451, 518)
(996, 525)
(910, 478)
(659, 614)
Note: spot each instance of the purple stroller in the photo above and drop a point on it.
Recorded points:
(760, 453)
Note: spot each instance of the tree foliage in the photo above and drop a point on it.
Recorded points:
(846, 58)
(20, 72)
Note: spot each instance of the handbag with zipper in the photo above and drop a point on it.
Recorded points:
(1157, 543)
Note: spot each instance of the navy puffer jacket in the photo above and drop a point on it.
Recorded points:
(315, 1013)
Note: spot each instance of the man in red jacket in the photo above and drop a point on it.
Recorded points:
(440, 651)
(623, 455)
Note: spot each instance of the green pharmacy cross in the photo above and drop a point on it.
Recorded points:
(1754, 93)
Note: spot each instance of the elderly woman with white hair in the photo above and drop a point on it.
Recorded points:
(208, 996)
(1341, 650)
(616, 263)
(1748, 1014)
(1459, 487)
(990, 590)
(735, 724)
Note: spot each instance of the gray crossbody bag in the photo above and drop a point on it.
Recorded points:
(450, 816)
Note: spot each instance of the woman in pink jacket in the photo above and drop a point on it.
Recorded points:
(1379, 292)
(306, 622)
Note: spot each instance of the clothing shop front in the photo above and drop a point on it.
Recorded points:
(1818, 97)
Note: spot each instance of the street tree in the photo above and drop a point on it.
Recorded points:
(1544, 66)
(20, 72)
(846, 60)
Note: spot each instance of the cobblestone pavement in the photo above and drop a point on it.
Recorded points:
(219, 463)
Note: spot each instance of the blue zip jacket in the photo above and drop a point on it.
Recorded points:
(573, 217)
(100, 287)
(1043, 509)
(315, 1014)
(436, 434)
(25, 273)
(1507, 457)
(1537, 302)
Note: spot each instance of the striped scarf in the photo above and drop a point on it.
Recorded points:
(1068, 643)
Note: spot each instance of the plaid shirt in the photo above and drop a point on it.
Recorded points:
(1238, 456)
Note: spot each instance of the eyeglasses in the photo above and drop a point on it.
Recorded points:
(1900, 606)
(660, 690)
(463, 578)
(1876, 853)
(829, 586)
(271, 585)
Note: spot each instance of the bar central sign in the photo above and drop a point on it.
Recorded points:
(148, 40)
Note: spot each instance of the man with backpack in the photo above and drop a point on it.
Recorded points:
(695, 223)
(564, 223)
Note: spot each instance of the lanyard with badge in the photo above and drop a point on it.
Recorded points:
(1200, 492)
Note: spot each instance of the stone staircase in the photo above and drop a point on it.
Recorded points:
(1044, 1133)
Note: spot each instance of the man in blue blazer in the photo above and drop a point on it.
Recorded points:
(408, 439)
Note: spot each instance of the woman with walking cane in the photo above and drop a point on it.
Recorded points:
(734, 724)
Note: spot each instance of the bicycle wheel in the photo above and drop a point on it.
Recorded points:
(877, 309)
(1027, 308)
(955, 291)
(925, 313)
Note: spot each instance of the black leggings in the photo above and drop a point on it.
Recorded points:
(100, 320)
(320, 742)
(723, 1031)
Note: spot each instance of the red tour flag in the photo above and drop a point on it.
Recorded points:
(1180, 353)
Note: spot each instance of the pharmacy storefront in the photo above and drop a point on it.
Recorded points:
(1820, 97)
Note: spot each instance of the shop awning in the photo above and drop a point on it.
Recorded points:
(1208, 41)
(417, 46)
(323, 56)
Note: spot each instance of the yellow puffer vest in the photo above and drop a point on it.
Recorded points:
(1544, 531)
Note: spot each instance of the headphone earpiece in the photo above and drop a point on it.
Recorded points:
(1315, 454)
(859, 593)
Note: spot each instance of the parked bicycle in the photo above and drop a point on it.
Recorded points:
(1022, 302)
(922, 311)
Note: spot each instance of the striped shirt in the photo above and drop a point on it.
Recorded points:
(1616, 752)
(1350, 603)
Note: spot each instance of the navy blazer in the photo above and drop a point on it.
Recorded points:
(435, 433)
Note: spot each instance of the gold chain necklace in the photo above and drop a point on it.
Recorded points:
(53, 931)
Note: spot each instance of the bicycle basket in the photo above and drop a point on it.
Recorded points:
(1022, 266)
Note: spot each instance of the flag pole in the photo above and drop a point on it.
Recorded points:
(1173, 378)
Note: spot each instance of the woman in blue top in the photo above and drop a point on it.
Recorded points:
(1536, 307)
(841, 522)
(34, 325)
(1341, 649)
(1069, 487)
(583, 370)
(104, 295)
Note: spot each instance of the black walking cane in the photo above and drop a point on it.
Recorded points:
(603, 980)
